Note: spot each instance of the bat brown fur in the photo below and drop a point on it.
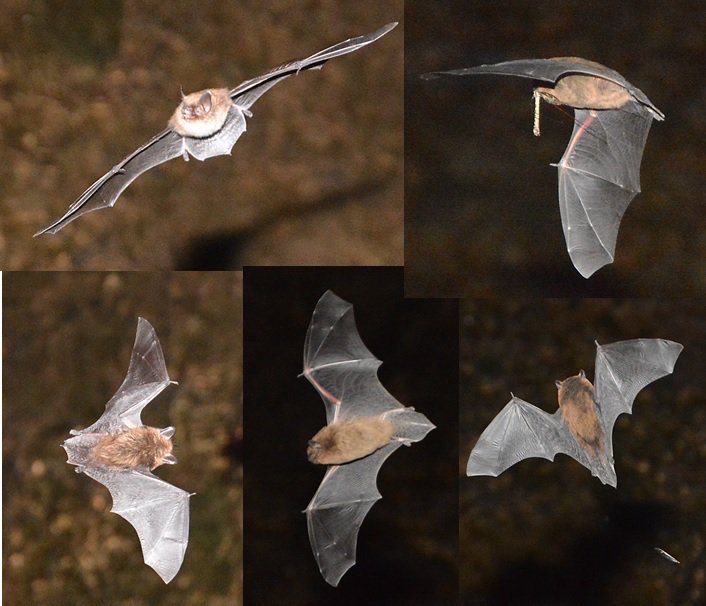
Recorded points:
(201, 114)
(349, 440)
(579, 410)
(582, 91)
(133, 448)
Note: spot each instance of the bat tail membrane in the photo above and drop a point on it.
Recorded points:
(599, 175)
(80, 446)
(409, 426)
(623, 369)
(518, 432)
(221, 142)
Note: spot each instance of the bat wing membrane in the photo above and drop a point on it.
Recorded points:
(106, 190)
(158, 511)
(248, 92)
(519, 431)
(168, 144)
(344, 372)
(335, 514)
(550, 70)
(599, 175)
(339, 365)
(623, 369)
(146, 378)
(547, 70)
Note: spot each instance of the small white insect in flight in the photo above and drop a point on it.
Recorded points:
(666, 556)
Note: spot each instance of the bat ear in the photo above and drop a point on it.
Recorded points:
(167, 432)
(169, 459)
(582, 374)
(557, 383)
(205, 101)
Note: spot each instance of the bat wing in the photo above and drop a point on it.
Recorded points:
(599, 175)
(106, 190)
(245, 94)
(340, 366)
(168, 144)
(622, 370)
(146, 378)
(158, 511)
(551, 70)
(518, 432)
(336, 512)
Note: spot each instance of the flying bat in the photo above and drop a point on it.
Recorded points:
(582, 427)
(599, 173)
(365, 425)
(119, 452)
(206, 123)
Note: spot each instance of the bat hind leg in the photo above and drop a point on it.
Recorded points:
(244, 110)
(184, 150)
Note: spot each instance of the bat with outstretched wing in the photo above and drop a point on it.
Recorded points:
(120, 452)
(599, 173)
(582, 427)
(206, 123)
(365, 425)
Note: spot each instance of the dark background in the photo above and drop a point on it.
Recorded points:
(548, 532)
(407, 546)
(481, 205)
(67, 339)
(84, 85)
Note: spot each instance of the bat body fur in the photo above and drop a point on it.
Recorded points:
(133, 448)
(206, 124)
(579, 411)
(201, 114)
(599, 173)
(349, 440)
(365, 425)
(586, 92)
(582, 427)
(119, 452)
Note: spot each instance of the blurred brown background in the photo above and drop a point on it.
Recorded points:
(67, 339)
(316, 179)
(481, 206)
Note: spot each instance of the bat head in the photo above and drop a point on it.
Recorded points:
(201, 114)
